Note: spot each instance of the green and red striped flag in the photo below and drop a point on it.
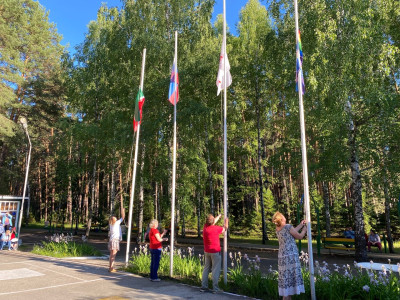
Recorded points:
(137, 119)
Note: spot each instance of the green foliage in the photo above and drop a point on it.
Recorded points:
(70, 249)
(187, 267)
(80, 111)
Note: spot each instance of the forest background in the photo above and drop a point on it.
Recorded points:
(80, 109)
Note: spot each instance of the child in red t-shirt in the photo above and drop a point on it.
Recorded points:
(155, 249)
(212, 248)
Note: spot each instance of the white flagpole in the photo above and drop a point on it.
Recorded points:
(304, 159)
(171, 262)
(225, 263)
(128, 239)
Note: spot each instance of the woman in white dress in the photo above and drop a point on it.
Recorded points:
(290, 278)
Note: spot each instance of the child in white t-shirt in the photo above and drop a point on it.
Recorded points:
(115, 238)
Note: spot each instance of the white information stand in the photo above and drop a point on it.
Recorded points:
(11, 204)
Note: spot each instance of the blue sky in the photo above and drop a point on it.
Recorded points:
(72, 16)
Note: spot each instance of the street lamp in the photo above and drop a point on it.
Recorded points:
(24, 123)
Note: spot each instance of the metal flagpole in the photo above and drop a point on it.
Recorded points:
(304, 158)
(171, 262)
(128, 239)
(25, 125)
(225, 263)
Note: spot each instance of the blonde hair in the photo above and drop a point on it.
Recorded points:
(153, 223)
(112, 220)
(277, 218)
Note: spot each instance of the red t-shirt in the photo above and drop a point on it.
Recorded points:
(154, 244)
(211, 238)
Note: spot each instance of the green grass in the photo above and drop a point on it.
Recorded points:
(62, 249)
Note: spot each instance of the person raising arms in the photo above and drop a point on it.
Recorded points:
(290, 278)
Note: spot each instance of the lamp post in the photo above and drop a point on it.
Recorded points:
(24, 123)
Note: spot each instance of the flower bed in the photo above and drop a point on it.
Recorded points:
(245, 276)
(64, 246)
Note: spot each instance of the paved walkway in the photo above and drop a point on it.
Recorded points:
(27, 276)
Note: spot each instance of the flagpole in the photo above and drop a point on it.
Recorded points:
(171, 262)
(225, 263)
(128, 239)
(304, 158)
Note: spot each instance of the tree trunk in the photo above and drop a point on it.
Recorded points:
(325, 190)
(121, 186)
(198, 205)
(156, 215)
(356, 191)
(97, 194)
(183, 231)
(69, 192)
(210, 179)
(46, 188)
(92, 200)
(112, 190)
(141, 197)
(387, 214)
(260, 180)
(86, 197)
(40, 191)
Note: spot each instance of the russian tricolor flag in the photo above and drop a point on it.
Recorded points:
(173, 95)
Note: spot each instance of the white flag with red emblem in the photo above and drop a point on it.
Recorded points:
(221, 71)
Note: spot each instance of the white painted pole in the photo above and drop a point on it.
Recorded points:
(171, 262)
(25, 125)
(128, 239)
(304, 159)
(225, 263)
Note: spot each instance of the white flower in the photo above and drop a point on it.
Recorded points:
(257, 259)
(246, 257)
(384, 270)
(232, 264)
(366, 288)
